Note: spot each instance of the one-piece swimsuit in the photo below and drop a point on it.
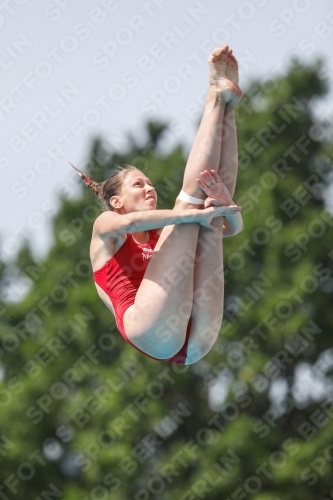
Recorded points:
(120, 278)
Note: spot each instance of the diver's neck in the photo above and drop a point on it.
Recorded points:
(141, 236)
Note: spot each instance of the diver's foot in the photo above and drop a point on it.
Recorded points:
(226, 90)
(231, 72)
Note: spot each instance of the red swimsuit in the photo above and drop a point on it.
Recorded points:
(120, 278)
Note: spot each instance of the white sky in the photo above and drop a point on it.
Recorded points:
(122, 62)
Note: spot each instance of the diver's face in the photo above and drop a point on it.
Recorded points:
(137, 194)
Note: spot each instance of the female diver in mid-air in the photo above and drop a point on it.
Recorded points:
(161, 271)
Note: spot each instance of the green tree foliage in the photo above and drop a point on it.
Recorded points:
(84, 416)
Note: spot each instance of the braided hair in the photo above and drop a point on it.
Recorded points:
(106, 189)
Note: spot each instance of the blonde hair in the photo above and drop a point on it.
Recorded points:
(111, 187)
